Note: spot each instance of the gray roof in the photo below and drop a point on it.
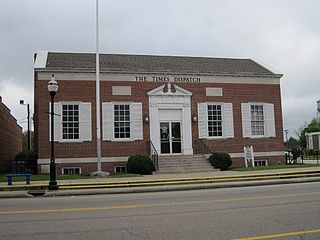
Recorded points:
(124, 63)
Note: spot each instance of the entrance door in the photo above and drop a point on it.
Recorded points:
(170, 137)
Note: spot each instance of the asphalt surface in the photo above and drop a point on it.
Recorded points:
(264, 212)
(163, 182)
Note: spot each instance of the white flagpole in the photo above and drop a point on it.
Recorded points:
(98, 91)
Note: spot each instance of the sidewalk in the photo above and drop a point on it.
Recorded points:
(215, 173)
(166, 182)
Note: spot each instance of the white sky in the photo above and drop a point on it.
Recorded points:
(284, 35)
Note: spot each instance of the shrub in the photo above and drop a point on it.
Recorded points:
(220, 160)
(140, 164)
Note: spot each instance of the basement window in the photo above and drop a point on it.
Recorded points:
(71, 170)
(258, 163)
(120, 169)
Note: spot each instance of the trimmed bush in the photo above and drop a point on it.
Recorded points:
(220, 160)
(140, 164)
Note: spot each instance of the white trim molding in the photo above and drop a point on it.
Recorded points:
(84, 160)
(41, 60)
(117, 77)
(259, 154)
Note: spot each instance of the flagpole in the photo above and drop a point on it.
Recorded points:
(98, 91)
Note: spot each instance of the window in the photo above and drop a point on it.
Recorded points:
(260, 163)
(257, 120)
(214, 121)
(120, 169)
(121, 121)
(70, 121)
(71, 170)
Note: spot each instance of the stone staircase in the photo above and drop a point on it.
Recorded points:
(184, 164)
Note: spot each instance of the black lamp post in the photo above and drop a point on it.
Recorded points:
(52, 88)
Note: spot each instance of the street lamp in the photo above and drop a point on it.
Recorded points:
(52, 88)
(28, 137)
(287, 146)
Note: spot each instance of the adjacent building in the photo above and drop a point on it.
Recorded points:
(173, 103)
(312, 140)
(10, 138)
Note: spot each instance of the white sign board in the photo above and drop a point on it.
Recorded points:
(248, 155)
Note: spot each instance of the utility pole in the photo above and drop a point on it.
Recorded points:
(28, 128)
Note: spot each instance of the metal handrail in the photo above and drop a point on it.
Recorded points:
(202, 148)
(153, 155)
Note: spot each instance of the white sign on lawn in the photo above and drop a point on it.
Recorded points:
(248, 155)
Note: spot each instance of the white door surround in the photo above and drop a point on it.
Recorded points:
(170, 102)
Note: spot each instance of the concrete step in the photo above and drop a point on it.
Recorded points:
(184, 164)
(186, 171)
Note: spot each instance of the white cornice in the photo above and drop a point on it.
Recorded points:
(85, 76)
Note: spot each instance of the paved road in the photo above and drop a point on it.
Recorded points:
(239, 213)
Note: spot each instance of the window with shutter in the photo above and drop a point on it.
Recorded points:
(72, 122)
(215, 120)
(122, 121)
(258, 120)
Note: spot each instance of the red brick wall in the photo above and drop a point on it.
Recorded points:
(239, 162)
(10, 138)
(85, 91)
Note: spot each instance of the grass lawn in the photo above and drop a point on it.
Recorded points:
(311, 157)
(46, 177)
(42, 177)
(125, 175)
(275, 167)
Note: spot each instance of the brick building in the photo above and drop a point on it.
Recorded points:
(171, 101)
(10, 138)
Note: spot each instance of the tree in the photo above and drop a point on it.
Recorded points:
(293, 143)
(25, 141)
(313, 126)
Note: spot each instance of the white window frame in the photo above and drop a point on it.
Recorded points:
(64, 168)
(119, 166)
(67, 122)
(260, 161)
(113, 121)
(264, 120)
(222, 121)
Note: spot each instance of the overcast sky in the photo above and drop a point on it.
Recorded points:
(284, 35)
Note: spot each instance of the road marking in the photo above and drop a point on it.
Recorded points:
(281, 235)
(153, 204)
